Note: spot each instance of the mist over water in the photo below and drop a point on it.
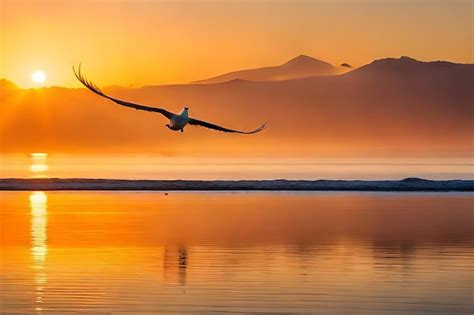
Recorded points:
(303, 252)
(41, 165)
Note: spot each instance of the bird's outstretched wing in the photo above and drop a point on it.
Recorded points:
(197, 122)
(91, 86)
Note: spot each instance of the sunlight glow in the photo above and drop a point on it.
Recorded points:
(39, 76)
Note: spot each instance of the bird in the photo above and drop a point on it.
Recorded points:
(177, 122)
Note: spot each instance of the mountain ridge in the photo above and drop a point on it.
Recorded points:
(297, 67)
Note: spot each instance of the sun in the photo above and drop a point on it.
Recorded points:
(39, 76)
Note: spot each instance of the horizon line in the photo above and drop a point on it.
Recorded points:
(199, 81)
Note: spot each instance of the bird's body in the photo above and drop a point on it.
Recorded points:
(177, 121)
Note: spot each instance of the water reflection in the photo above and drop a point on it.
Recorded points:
(175, 262)
(39, 165)
(189, 252)
(393, 254)
(39, 246)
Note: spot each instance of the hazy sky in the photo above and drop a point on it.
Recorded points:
(156, 42)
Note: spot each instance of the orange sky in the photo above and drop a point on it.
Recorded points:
(156, 42)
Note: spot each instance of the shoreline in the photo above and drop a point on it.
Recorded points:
(407, 184)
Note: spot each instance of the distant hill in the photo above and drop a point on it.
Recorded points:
(299, 67)
(395, 107)
(5, 84)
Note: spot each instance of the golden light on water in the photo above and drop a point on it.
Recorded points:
(38, 164)
(38, 168)
(38, 201)
(38, 208)
(39, 237)
(39, 155)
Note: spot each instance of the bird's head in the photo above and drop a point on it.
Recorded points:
(185, 111)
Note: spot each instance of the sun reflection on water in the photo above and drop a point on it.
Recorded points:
(39, 246)
(39, 165)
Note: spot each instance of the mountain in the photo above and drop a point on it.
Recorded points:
(395, 107)
(410, 77)
(405, 66)
(299, 67)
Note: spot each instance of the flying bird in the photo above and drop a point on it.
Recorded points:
(177, 121)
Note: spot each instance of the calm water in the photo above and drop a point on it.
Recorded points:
(315, 253)
(40, 165)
